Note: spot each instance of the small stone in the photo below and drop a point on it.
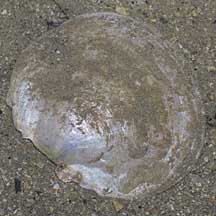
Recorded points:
(211, 145)
(40, 165)
(57, 52)
(211, 69)
(4, 12)
(122, 10)
(211, 96)
(198, 184)
(56, 186)
(118, 206)
(195, 12)
(163, 20)
(154, 20)
(206, 159)
(177, 14)
(29, 202)
(17, 184)
(51, 209)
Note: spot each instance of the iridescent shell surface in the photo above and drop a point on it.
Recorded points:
(104, 95)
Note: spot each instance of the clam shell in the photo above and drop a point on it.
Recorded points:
(106, 97)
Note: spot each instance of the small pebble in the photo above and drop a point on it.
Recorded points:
(121, 10)
(51, 209)
(195, 12)
(17, 184)
(211, 69)
(118, 206)
(40, 165)
(206, 159)
(58, 52)
(4, 12)
(56, 186)
(198, 184)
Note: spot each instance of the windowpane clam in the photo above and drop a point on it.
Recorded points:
(106, 97)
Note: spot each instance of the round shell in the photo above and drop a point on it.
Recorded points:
(106, 97)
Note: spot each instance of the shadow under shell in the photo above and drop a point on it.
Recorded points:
(104, 95)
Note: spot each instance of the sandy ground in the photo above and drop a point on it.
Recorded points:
(28, 185)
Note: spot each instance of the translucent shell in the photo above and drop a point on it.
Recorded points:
(104, 95)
